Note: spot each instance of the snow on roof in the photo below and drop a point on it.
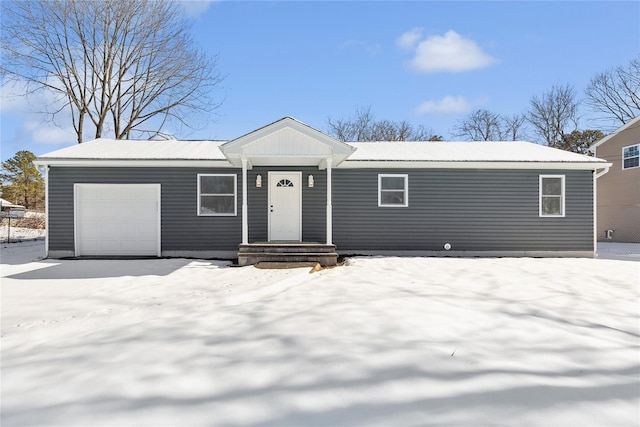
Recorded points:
(441, 151)
(6, 203)
(425, 151)
(119, 149)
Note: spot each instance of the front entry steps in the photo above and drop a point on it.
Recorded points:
(254, 253)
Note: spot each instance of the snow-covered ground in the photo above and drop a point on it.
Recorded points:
(376, 342)
(27, 229)
(19, 234)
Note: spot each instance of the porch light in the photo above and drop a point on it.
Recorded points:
(310, 181)
(258, 181)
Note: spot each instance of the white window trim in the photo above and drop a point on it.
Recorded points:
(632, 167)
(235, 195)
(562, 197)
(406, 190)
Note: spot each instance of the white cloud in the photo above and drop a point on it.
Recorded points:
(48, 133)
(446, 105)
(450, 52)
(409, 39)
(30, 115)
(193, 9)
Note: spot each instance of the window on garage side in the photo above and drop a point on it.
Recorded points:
(393, 190)
(551, 195)
(217, 195)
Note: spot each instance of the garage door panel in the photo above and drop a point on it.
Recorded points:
(94, 210)
(117, 219)
(144, 208)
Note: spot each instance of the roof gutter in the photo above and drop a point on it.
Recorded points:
(421, 164)
(222, 163)
(603, 171)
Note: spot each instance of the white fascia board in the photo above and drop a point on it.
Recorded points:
(377, 164)
(133, 163)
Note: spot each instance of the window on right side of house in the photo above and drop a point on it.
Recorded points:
(393, 190)
(552, 196)
(631, 156)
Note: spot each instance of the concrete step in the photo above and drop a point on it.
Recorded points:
(323, 258)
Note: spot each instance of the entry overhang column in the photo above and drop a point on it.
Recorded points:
(329, 205)
(245, 215)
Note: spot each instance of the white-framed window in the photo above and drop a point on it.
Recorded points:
(217, 194)
(631, 156)
(551, 195)
(393, 190)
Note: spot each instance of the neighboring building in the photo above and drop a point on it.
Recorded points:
(287, 185)
(11, 210)
(618, 191)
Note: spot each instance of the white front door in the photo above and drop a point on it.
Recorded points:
(285, 206)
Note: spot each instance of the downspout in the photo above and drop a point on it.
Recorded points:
(595, 206)
(603, 172)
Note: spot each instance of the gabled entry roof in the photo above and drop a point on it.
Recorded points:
(286, 142)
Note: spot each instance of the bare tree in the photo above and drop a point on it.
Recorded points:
(554, 114)
(480, 125)
(356, 128)
(514, 127)
(363, 126)
(128, 65)
(616, 93)
(484, 125)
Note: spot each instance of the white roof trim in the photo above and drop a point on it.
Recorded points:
(614, 133)
(133, 163)
(407, 164)
(352, 164)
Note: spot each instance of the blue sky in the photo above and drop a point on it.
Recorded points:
(427, 62)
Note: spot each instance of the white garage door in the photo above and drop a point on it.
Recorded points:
(117, 219)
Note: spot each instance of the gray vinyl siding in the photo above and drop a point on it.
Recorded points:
(181, 230)
(473, 210)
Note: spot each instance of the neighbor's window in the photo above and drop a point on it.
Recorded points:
(631, 156)
(552, 195)
(393, 190)
(216, 195)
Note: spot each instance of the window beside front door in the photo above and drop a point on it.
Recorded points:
(217, 195)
